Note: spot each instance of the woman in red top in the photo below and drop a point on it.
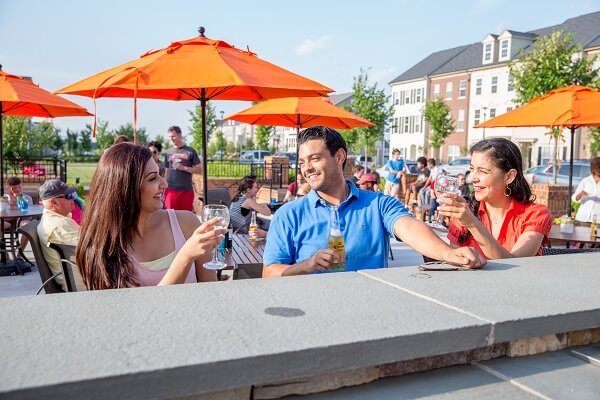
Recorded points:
(501, 221)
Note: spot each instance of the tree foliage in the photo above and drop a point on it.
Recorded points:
(263, 135)
(595, 142)
(554, 61)
(127, 130)
(373, 104)
(24, 139)
(196, 120)
(438, 115)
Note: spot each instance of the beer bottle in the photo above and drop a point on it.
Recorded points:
(336, 240)
(593, 228)
(253, 224)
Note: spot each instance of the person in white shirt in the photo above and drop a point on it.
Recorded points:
(588, 194)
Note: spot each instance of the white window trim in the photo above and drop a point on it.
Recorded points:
(508, 46)
(483, 59)
(465, 89)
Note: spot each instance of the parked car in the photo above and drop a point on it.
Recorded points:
(253, 156)
(543, 173)
(457, 166)
(34, 170)
(290, 156)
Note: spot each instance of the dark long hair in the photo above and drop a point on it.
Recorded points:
(245, 184)
(506, 156)
(111, 218)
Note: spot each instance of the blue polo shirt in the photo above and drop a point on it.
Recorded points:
(396, 165)
(300, 228)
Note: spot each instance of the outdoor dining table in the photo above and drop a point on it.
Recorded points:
(13, 216)
(243, 252)
(581, 235)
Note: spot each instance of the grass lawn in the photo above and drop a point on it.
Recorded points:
(84, 171)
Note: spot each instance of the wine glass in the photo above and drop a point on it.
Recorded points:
(444, 184)
(209, 212)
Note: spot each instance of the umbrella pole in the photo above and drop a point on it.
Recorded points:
(204, 151)
(571, 169)
(297, 153)
(1, 155)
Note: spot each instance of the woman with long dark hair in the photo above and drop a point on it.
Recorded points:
(502, 220)
(243, 204)
(127, 240)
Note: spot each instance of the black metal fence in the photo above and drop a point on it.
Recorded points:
(276, 175)
(35, 170)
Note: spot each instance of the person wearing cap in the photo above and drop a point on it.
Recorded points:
(56, 226)
(367, 182)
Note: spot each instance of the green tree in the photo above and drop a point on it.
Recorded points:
(162, 140)
(85, 140)
(196, 120)
(220, 142)
(249, 145)
(104, 137)
(71, 142)
(127, 130)
(595, 142)
(23, 139)
(554, 61)
(437, 114)
(263, 135)
(372, 104)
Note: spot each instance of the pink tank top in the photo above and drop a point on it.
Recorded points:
(147, 277)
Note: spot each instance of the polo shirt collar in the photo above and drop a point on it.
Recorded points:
(314, 199)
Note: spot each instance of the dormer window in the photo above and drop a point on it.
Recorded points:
(487, 53)
(504, 50)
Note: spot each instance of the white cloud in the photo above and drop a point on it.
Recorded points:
(383, 76)
(311, 45)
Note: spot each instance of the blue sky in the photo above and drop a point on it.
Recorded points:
(59, 42)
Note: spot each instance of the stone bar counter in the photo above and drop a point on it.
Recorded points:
(266, 338)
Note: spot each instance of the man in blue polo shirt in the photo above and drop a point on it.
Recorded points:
(298, 235)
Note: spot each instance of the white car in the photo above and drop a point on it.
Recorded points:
(458, 166)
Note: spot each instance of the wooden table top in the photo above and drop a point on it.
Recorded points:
(581, 233)
(244, 251)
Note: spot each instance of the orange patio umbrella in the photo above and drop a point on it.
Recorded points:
(300, 112)
(21, 97)
(569, 107)
(197, 69)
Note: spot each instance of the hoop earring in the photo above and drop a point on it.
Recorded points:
(509, 191)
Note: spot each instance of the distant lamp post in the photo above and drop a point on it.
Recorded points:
(222, 136)
(484, 118)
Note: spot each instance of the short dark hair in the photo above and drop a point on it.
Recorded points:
(431, 161)
(333, 140)
(422, 160)
(175, 129)
(595, 165)
(358, 167)
(13, 181)
(120, 139)
(156, 144)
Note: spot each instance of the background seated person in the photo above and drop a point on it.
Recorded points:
(292, 190)
(367, 182)
(303, 190)
(128, 240)
(416, 186)
(502, 221)
(58, 227)
(14, 191)
(297, 242)
(244, 203)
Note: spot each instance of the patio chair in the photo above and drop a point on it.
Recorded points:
(218, 196)
(49, 283)
(67, 258)
(553, 251)
(248, 271)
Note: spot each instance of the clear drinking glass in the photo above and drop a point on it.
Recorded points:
(209, 212)
(445, 184)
